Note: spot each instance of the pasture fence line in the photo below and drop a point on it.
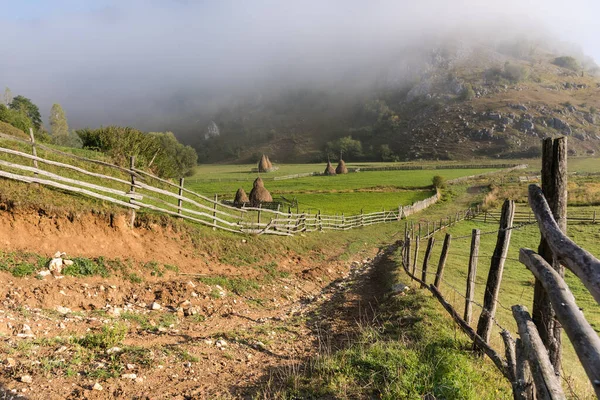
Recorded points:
(531, 362)
(136, 189)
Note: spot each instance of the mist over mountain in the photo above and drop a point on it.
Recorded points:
(287, 77)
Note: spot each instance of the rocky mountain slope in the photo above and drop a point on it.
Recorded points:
(457, 101)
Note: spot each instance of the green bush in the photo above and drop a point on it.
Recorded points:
(108, 337)
(467, 93)
(439, 182)
(159, 152)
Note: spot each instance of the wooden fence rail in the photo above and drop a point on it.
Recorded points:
(137, 189)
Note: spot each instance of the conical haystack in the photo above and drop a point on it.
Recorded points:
(259, 193)
(329, 170)
(341, 168)
(241, 197)
(263, 164)
(269, 163)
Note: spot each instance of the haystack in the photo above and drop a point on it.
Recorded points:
(259, 193)
(269, 163)
(341, 168)
(263, 164)
(329, 170)
(241, 197)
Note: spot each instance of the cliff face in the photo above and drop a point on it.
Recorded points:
(462, 102)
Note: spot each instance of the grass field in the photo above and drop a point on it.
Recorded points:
(369, 191)
(517, 283)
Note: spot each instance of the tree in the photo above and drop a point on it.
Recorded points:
(467, 93)
(21, 103)
(8, 97)
(58, 122)
(16, 118)
(347, 146)
(566, 62)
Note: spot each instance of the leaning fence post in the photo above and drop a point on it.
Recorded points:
(492, 287)
(442, 263)
(426, 261)
(471, 276)
(554, 187)
(180, 200)
(547, 384)
(407, 252)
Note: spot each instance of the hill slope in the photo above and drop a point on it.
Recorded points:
(459, 102)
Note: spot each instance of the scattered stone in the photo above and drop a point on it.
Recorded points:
(221, 344)
(129, 376)
(97, 386)
(11, 362)
(208, 342)
(44, 273)
(400, 288)
(55, 266)
(68, 263)
(25, 332)
(113, 350)
(130, 366)
(63, 310)
(155, 306)
(26, 379)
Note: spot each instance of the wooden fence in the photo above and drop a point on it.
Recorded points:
(137, 189)
(531, 363)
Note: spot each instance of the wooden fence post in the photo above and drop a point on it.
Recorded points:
(407, 253)
(414, 267)
(33, 149)
(554, 187)
(132, 187)
(319, 220)
(594, 218)
(180, 201)
(547, 384)
(419, 227)
(523, 388)
(492, 287)
(471, 276)
(215, 211)
(426, 261)
(442, 263)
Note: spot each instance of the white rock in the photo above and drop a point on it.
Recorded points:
(113, 350)
(221, 343)
(57, 254)
(68, 262)
(191, 284)
(208, 342)
(97, 386)
(55, 266)
(130, 366)
(26, 379)
(155, 306)
(129, 376)
(25, 332)
(44, 273)
(63, 310)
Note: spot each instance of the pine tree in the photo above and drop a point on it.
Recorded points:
(58, 122)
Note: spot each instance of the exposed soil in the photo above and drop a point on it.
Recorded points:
(204, 342)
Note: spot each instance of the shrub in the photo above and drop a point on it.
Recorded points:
(159, 152)
(515, 73)
(439, 182)
(467, 93)
(566, 62)
(108, 337)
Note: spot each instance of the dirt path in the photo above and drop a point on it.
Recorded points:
(204, 341)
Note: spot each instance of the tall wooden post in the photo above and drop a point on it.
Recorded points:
(215, 211)
(415, 258)
(407, 252)
(442, 263)
(472, 274)
(492, 287)
(426, 260)
(33, 149)
(180, 201)
(132, 187)
(554, 186)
